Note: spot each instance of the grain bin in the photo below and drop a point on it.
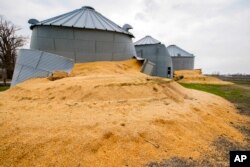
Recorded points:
(83, 35)
(152, 49)
(181, 59)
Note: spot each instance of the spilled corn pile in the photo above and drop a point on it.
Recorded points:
(196, 76)
(109, 114)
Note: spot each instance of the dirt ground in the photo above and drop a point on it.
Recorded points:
(110, 114)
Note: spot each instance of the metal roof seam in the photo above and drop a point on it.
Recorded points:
(108, 23)
(173, 49)
(115, 26)
(112, 24)
(147, 40)
(56, 17)
(75, 14)
(59, 19)
(84, 17)
(100, 21)
(92, 20)
(81, 11)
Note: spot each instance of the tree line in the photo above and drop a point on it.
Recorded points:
(10, 41)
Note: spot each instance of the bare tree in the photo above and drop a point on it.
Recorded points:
(9, 42)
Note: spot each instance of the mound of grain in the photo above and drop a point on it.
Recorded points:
(106, 67)
(196, 76)
(58, 75)
(109, 114)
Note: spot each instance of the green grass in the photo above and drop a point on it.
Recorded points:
(234, 94)
(3, 88)
(246, 83)
(227, 92)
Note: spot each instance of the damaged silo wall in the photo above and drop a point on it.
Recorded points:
(34, 63)
(157, 54)
(82, 45)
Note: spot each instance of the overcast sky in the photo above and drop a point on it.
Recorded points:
(217, 32)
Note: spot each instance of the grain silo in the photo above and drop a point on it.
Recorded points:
(181, 59)
(83, 35)
(152, 49)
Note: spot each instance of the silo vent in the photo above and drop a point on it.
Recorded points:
(33, 21)
(127, 27)
(88, 7)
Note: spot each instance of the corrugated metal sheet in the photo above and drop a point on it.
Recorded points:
(147, 40)
(157, 54)
(139, 58)
(177, 51)
(183, 62)
(148, 67)
(86, 18)
(34, 63)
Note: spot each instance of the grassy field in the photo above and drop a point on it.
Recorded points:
(242, 82)
(240, 96)
(3, 88)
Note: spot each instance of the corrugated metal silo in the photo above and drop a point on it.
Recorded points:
(181, 59)
(33, 63)
(83, 35)
(152, 49)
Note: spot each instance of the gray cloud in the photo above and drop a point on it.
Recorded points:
(140, 17)
(216, 31)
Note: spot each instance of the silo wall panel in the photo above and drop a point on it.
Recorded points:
(165, 62)
(27, 72)
(103, 56)
(67, 54)
(158, 55)
(64, 45)
(169, 62)
(30, 58)
(122, 38)
(118, 56)
(55, 32)
(16, 73)
(130, 49)
(139, 52)
(85, 46)
(51, 62)
(46, 44)
(183, 63)
(148, 67)
(119, 48)
(93, 35)
(41, 43)
(100, 45)
(148, 51)
(104, 47)
(34, 63)
(133, 52)
(85, 57)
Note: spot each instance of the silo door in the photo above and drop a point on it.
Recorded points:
(139, 53)
(169, 72)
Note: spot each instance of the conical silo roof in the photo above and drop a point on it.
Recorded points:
(147, 40)
(85, 18)
(177, 51)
